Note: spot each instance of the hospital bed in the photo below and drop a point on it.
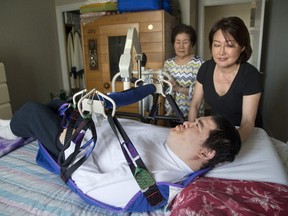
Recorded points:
(256, 183)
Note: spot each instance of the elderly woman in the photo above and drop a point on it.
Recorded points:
(183, 67)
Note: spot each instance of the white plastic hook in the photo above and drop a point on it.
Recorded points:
(168, 83)
(87, 103)
(161, 79)
(139, 80)
(77, 94)
(159, 87)
(159, 84)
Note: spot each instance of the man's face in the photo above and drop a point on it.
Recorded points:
(186, 140)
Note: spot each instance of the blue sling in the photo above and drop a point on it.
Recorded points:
(153, 195)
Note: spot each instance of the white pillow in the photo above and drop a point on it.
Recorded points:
(257, 160)
(282, 150)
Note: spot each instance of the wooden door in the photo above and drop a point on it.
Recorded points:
(101, 78)
(106, 32)
(154, 30)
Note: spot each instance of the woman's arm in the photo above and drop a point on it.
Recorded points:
(197, 99)
(179, 89)
(249, 112)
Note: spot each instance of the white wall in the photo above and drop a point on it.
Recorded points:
(185, 14)
(188, 10)
(214, 13)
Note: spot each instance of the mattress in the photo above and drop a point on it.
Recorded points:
(28, 189)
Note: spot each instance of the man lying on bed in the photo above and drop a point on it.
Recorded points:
(169, 154)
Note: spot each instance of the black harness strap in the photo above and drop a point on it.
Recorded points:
(67, 166)
(175, 107)
(69, 132)
(154, 112)
(140, 172)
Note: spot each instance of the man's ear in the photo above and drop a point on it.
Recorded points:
(207, 153)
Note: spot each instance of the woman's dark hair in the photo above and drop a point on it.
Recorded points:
(224, 140)
(182, 28)
(238, 30)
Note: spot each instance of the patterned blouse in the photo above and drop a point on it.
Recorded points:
(185, 76)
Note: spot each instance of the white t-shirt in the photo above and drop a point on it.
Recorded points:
(106, 176)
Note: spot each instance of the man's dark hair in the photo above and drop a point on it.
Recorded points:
(225, 140)
(182, 28)
(238, 30)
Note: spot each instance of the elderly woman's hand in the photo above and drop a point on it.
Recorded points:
(175, 86)
(179, 89)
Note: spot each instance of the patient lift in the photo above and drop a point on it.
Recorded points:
(158, 78)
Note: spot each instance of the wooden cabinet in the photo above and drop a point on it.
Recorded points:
(154, 31)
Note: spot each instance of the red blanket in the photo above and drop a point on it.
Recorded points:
(212, 196)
